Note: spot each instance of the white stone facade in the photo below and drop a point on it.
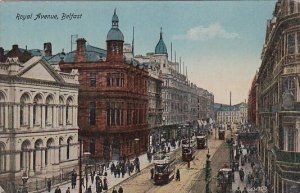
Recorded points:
(232, 114)
(38, 118)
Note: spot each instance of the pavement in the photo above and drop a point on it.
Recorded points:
(112, 181)
(247, 168)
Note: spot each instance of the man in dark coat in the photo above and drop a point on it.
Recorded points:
(57, 190)
(178, 175)
(120, 189)
(152, 172)
(114, 190)
(49, 184)
(242, 174)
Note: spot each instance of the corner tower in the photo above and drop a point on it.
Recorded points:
(114, 41)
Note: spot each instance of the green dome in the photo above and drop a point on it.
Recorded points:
(161, 47)
(115, 33)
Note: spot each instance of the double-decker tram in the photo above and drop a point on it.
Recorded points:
(164, 167)
(188, 149)
(201, 141)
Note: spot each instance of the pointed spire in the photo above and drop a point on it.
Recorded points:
(115, 19)
(160, 32)
(171, 53)
(186, 72)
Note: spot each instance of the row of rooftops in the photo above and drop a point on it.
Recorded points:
(224, 107)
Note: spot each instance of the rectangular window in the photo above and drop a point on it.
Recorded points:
(92, 79)
(291, 43)
(291, 139)
(92, 113)
(292, 6)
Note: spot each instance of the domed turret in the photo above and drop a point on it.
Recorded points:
(115, 33)
(114, 41)
(161, 47)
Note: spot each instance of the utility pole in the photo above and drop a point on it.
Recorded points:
(207, 173)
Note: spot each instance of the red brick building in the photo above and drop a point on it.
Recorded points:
(113, 99)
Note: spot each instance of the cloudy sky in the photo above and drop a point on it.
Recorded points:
(219, 41)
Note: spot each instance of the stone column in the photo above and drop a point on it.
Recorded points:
(43, 152)
(43, 117)
(31, 157)
(74, 116)
(38, 115)
(15, 116)
(38, 156)
(31, 116)
(17, 164)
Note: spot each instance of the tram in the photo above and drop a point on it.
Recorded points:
(188, 149)
(221, 134)
(201, 141)
(164, 167)
(224, 180)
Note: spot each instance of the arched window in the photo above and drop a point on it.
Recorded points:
(59, 150)
(2, 158)
(24, 109)
(92, 147)
(68, 147)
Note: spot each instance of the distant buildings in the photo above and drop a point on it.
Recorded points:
(182, 102)
(38, 119)
(226, 114)
(278, 98)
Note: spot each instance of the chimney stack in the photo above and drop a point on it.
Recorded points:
(48, 49)
(1, 54)
(15, 47)
(80, 52)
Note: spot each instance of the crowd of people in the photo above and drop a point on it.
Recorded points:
(254, 177)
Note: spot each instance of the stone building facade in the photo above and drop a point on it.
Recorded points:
(278, 98)
(113, 98)
(234, 114)
(252, 104)
(38, 119)
(182, 101)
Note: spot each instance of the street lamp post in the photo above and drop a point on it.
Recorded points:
(208, 173)
(136, 146)
(80, 166)
(86, 156)
(24, 180)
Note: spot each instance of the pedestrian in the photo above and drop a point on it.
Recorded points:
(114, 190)
(242, 174)
(178, 175)
(245, 190)
(238, 190)
(112, 168)
(57, 190)
(68, 190)
(105, 187)
(92, 176)
(120, 189)
(98, 187)
(82, 182)
(97, 178)
(152, 172)
(89, 190)
(49, 184)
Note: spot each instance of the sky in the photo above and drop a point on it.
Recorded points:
(219, 41)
